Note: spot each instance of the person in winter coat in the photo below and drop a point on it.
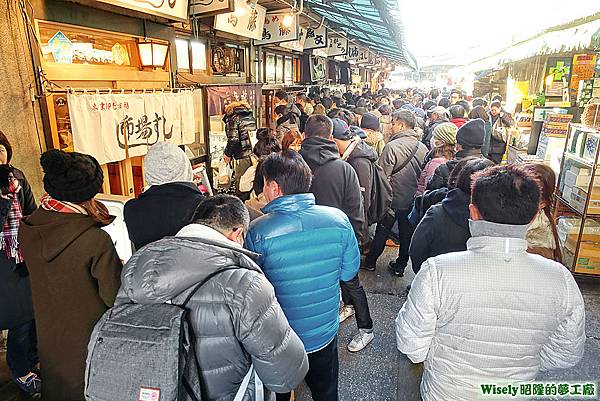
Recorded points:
(361, 157)
(480, 112)
(240, 126)
(306, 251)
(457, 115)
(437, 115)
(371, 125)
(469, 140)
(401, 161)
(238, 319)
(335, 182)
(445, 227)
(16, 309)
(74, 269)
(169, 202)
(542, 236)
(501, 123)
(493, 313)
(442, 146)
(386, 121)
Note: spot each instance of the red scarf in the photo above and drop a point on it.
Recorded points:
(53, 205)
(10, 232)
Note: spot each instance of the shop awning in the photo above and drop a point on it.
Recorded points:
(579, 35)
(375, 23)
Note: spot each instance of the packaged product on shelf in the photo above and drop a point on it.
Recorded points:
(581, 180)
(591, 146)
(578, 197)
(588, 260)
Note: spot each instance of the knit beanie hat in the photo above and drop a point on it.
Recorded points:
(445, 132)
(165, 162)
(471, 134)
(71, 177)
(370, 121)
(341, 130)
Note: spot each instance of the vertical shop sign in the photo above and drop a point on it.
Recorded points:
(112, 126)
(246, 21)
(353, 52)
(338, 46)
(279, 27)
(316, 38)
(296, 45)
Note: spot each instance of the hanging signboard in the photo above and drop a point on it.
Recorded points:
(318, 69)
(207, 8)
(316, 38)
(112, 126)
(296, 45)
(353, 52)
(172, 9)
(227, 60)
(363, 56)
(279, 27)
(338, 46)
(220, 96)
(246, 21)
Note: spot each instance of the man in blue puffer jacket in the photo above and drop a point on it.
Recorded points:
(306, 251)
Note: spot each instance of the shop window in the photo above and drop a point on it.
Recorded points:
(279, 69)
(270, 68)
(289, 71)
(183, 54)
(198, 55)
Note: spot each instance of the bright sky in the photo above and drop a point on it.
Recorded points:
(461, 31)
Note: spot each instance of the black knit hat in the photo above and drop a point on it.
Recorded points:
(370, 121)
(4, 142)
(471, 134)
(71, 177)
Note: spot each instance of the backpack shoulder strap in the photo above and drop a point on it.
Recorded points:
(408, 159)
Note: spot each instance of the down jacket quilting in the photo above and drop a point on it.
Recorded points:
(490, 313)
(235, 315)
(306, 250)
(240, 124)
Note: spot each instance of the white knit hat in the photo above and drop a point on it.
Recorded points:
(165, 162)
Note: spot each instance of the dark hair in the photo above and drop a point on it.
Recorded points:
(385, 110)
(497, 104)
(301, 96)
(405, 116)
(362, 102)
(327, 102)
(397, 103)
(464, 179)
(453, 177)
(334, 113)
(337, 101)
(281, 109)
(547, 181)
(453, 91)
(506, 195)
(266, 143)
(434, 93)
(318, 125)
(497, 98)
(282, 95)
(457, 111)
(315, 97)
(5, 142)
(223, 213)
(289, 138)
(289, 170)
(479, 101)
(428, 104)
(479, 112)
(465, 105)
(444, 102)
(446, 151)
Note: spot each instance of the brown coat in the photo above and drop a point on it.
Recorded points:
(75, 275)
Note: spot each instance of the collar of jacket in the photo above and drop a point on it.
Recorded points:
(468, 152)
(211, 236)
(169, 186)
(409, 133)
(290, 203)
(494, 236)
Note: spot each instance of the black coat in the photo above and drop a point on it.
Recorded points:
(15, 290)
(161, 211)
(238, 125)
(361, 159)
(335, 182)
(444, 229)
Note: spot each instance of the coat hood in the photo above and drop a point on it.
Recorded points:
(317, 151)
(164, 269)
(363, 151)
(290, 203)
(54, 231)
(373, 137)
(241, 106)
(456, 204)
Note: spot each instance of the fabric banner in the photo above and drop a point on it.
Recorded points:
(221, 96)
(110, 126)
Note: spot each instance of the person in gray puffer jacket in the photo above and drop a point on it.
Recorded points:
(235, 315)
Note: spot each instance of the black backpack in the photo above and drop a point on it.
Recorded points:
(381, 195)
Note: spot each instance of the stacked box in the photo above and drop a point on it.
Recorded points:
(588, 260)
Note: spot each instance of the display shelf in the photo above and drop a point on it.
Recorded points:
(580, 207)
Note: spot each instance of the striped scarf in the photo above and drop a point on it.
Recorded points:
(10, 232)
(54, 205)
